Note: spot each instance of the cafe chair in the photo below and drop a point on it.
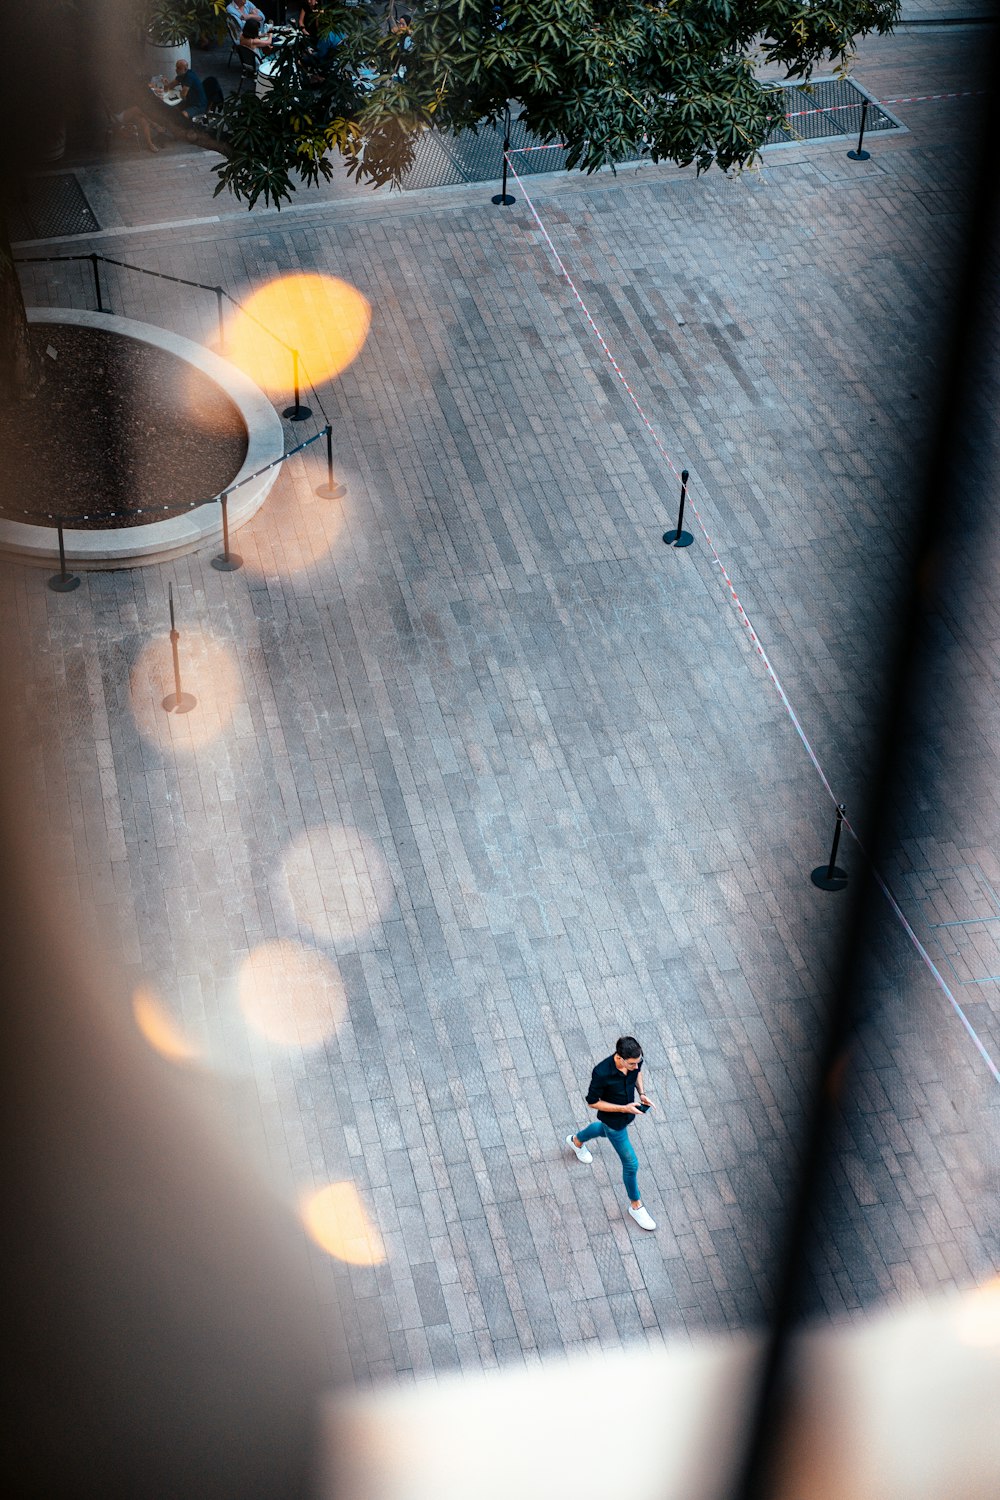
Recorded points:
(249, 67)
(214, 120)
(214, 96)
(235, 32)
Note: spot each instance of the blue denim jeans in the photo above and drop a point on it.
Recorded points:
(619, 1139)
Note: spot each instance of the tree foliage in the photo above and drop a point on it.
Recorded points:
(680, 77)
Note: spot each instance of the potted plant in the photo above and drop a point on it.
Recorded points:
(209, 17)
(169, 29)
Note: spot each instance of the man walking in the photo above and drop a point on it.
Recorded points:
(614, 1084)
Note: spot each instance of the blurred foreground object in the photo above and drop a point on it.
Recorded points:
(158, 1333)
(901, 1407)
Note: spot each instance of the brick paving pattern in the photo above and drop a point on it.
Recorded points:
(512, 767)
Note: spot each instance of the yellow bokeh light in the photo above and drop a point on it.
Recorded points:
(338, 882)
(208, 671)
(158, 1028)
(324, 318)
(290, 994)
(979, 1316)
(335, 1218)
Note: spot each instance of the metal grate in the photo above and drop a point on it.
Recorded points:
(828, 109)
(547, 159)
(433, 166)
(50, 207)
(477, 156)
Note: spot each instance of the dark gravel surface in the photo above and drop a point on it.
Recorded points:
(120, 434)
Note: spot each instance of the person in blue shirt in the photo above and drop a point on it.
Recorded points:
(243, 11)
(193, 101)
(321, 46)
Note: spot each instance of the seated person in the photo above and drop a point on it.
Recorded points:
(166, 117)
(252, 39)
(403, 30)
(189, 86)
(309, 21)
(243, 11)
(131, 114)
(321, 46)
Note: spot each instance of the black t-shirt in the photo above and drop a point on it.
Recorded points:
(608, 1083)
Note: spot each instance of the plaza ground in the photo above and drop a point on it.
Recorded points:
(513, 769)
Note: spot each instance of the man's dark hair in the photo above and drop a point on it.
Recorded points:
(628, 1047)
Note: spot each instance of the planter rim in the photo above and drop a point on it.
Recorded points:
(155, 541)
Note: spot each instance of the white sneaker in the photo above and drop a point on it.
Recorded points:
(581, 1151)
(641, 1217)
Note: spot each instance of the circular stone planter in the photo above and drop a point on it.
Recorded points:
(131, 546)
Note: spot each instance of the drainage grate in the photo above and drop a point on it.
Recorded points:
(827, 109)
(548, 159)
(477, 156)
(50, 207)
(432, 164)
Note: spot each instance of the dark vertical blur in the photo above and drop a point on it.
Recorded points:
(953, 517)
(156, 1341)
(156, 1335)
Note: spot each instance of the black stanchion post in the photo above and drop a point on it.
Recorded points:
(680, 537)
(828, 877)
(222, 326)
(229, 561)
(298, 412)
(62, 582)
(177, 702)
(860, 154)
(330, 491)
(94, 262)
(503, 197)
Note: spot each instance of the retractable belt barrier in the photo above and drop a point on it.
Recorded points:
(754, 637)
(294, 413)
(797, 114)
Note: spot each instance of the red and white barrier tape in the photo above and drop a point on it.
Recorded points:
(754, 637)
(924, 98)
(829, 109)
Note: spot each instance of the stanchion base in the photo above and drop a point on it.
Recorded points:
(297, 413)
(504, 199)
(331, 491)
(180, 705)
(678, 538)
(860, 155)
(824, 881)
(228, 564)
(60, 585)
